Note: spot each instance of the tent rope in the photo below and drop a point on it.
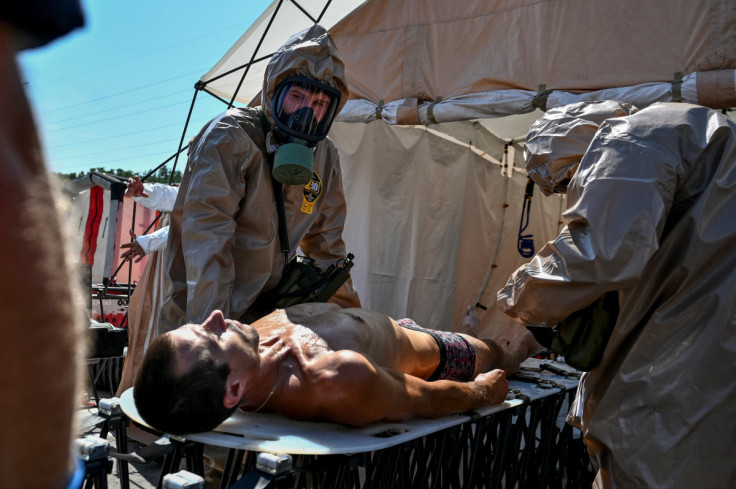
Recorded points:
(430, 111)
(506, 171)
(379, 109)
(677, 87)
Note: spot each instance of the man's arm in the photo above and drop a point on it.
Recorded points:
(145, 244)
(156, 196)
(154, 241)
(214, 195)
(618, 202)
(347, 387)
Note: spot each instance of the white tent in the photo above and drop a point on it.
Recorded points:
(432, 61)
(442, 93)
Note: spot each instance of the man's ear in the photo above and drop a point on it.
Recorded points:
(233, 392)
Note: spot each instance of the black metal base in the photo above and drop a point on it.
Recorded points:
(523, 447)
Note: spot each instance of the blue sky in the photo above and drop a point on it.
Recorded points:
(116, 93)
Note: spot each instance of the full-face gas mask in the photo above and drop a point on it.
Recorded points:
(303, 110)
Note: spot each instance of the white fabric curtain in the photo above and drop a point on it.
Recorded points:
(426, 212)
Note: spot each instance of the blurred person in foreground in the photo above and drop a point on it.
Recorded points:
(41, 320)
(651, 200)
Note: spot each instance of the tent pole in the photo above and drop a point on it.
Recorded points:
(163, 164)
(321, 14)
(255, 51)
(230, 72)
(296, 4)
(509, 175)
(184, 132)
(130, 262)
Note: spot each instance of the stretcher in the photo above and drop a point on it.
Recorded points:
(522, 440)
(274, 433)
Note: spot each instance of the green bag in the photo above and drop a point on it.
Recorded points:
(582, 337)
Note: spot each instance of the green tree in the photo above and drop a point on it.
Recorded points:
(161, 176)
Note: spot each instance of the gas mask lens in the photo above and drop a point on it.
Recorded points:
(304, 108)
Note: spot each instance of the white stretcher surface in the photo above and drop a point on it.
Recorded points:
(274, 433)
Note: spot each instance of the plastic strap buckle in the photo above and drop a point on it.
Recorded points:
(677, 87)
(430, 111)
(379, 109)
(540, 99)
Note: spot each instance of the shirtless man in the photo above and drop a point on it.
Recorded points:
(351, 366)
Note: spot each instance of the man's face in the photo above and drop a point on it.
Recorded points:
(227, 341)
(297, 97)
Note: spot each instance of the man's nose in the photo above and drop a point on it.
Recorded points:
(215, 322)
(317, 110)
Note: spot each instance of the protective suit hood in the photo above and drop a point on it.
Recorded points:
(311, 53)
(557, 141)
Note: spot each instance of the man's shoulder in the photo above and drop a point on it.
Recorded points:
(327, 145)
(670, 115)
(244, 116)
(327, 158)
(671, 125)
(246, 119)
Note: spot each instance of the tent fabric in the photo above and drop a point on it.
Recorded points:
(469, 70)
(426, 212)
(254, 48)
(565, 45)
(489, 58)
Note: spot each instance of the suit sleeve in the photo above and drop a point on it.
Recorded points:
(154, 241)
(618, 202)
(160, 197)
(214, 197)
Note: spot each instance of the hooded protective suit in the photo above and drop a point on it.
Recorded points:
(651, 213)
(223, 249)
